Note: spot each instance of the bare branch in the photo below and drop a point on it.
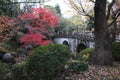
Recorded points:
(86, 14)
(75, 7)
(109, 9)
(116, 17)
(79, 8)
(19, 2)
(92, 1)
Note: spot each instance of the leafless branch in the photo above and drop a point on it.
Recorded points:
(80, 10)
(73, 5)
(92, 1)
(19, 2)
(116, 16)
(86, 14)
(109, 9)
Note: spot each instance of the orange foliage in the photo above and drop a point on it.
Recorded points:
(6, 26)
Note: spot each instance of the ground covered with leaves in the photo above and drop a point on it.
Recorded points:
(93, 73)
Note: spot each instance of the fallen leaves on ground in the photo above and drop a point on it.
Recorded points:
(94, 72)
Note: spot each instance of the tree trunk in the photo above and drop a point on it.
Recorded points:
(103, 53)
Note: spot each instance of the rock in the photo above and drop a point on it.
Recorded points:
(8, 58)
(29, 47)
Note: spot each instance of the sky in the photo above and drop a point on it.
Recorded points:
(65, 9)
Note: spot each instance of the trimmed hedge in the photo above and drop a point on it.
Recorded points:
(19, 71)
(85, 54)
(116, 51)
(5, 71)
(47, 61)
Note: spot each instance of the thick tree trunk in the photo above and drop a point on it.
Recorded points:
(103, 53)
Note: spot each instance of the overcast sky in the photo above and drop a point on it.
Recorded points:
(65, 9)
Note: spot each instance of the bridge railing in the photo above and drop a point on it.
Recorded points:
(84, 36)
(75, 35)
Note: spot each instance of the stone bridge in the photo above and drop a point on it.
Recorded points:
(76, 41)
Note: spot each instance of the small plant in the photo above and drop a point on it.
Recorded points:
(85, 54)
(74, 55)
(77, 66)
(46, 61)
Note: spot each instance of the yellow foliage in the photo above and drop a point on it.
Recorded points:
(3, 49)
(86, 56)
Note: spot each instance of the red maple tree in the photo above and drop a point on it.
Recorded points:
(39, 21)
(35, 38)
(6, 27)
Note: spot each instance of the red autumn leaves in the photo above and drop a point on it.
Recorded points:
(6, 26)
(35, 38)
(38, 20)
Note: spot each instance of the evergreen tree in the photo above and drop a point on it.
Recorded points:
(5, 8)
(57, 7)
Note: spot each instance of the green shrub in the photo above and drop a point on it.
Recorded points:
(47, 61)
(74, 55)
(87, 50)
(81, 60)
(85, 54)
(19, 71)
(77, 66)
(116, 51)
(5, 71)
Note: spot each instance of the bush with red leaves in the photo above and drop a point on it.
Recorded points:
(6, 27)
(39, 21)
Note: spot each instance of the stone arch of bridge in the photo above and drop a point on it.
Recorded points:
(80, 47)
(65, 43)
(61, 40)
(74, 44)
